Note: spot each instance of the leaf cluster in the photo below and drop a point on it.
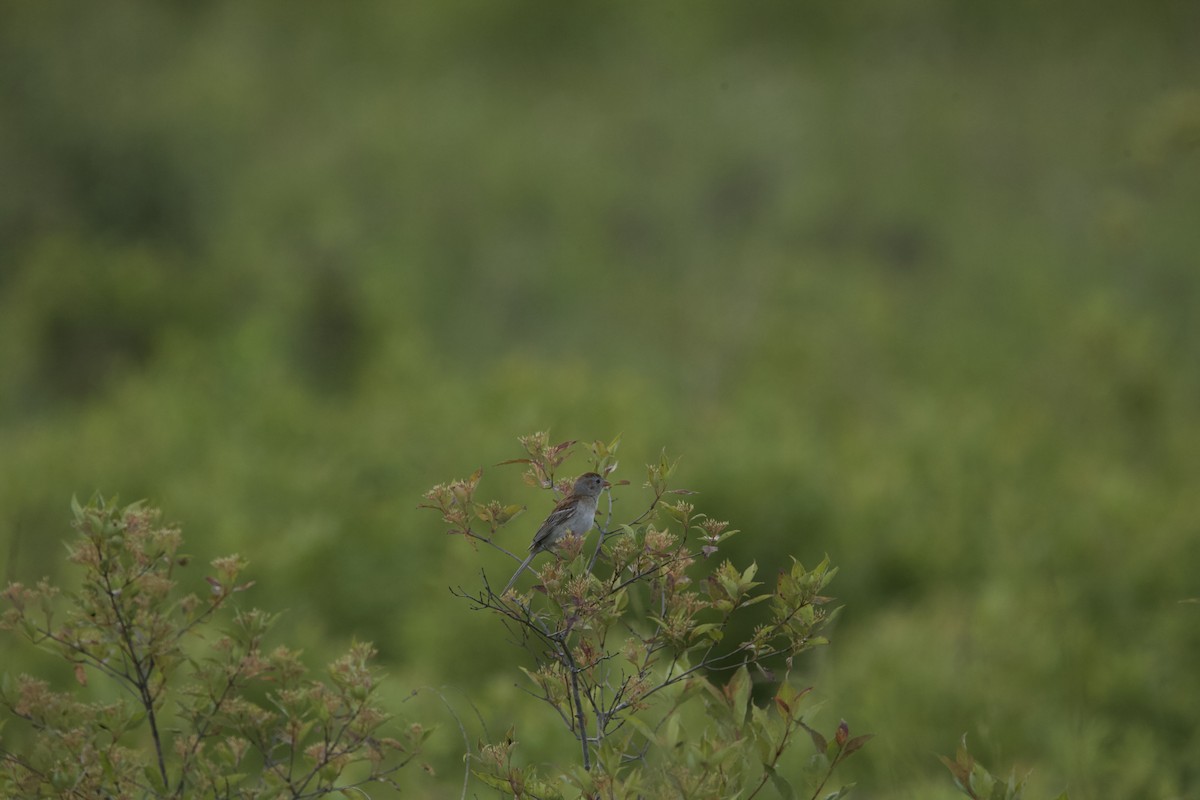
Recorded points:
(974, 780)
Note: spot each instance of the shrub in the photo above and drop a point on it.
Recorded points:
(632, 645)
(204, 709)
(629, 642)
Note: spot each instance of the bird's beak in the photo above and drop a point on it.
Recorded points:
(607, 485)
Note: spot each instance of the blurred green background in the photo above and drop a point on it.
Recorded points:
(911, 283)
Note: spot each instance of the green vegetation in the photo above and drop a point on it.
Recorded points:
(198, 712)
(911, 284)
(629, 644)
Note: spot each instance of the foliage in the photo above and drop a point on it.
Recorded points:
(913, 284)
(199, 713)
(629, 645)
(977, 783)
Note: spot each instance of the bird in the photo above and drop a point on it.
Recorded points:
(574, 514)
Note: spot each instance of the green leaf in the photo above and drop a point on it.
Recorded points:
(671, 735)
(667, 466)
(981, 781)
(541, 788)
(494, 781)
(738, 691)
(781, 785)
(638, 724)
(762, 735)
(155, 778)
(817, 739)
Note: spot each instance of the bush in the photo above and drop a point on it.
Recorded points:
(630, 643)
(213, 713)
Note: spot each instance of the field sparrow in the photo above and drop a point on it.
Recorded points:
(574, 514)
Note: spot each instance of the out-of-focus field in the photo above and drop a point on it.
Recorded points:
(913, 284)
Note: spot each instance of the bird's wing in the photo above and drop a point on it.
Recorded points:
(561, 513)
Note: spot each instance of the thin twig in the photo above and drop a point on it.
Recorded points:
(462, 729)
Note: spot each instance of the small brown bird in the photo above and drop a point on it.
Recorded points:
(574, 514)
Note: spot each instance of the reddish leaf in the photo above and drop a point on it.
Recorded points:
(856, 743)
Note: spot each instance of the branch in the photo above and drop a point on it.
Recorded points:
(470, 534)
(121, 678)
(574, 672)
(143, 677)
(462, 729)
(788, 730)
(489, 600)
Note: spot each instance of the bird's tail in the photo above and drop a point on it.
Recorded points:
(517, 574)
